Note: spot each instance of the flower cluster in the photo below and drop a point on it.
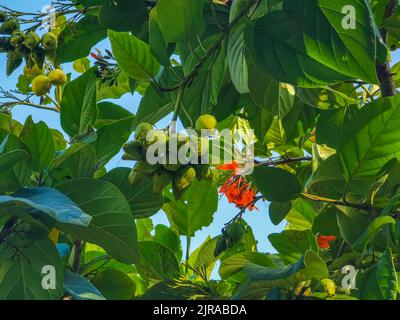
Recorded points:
(323, 241)
(237, 189)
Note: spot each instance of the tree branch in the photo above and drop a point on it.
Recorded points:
(281, 161)
(387, 85)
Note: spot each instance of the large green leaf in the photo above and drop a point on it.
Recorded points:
(156, 261)
(114, 284)
(39, 141)
(77, 39)
(111, 138)
(10, 158)
(23, 265)
(168, 238)
(292, 244)
(49, 201)
(180, 19)
(194, 210)
(112, 226)
(123, 15)
(276, 184)
(202, 259)
(141, 198)
(387, 276)
(133, 56)
(300, 45)
(109, 112)
(80, 288)
(78, 105)
(370, 139)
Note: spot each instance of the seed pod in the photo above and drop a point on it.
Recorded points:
(32, 40)
(9, 26)
(57, 77)
(184, 177)
(14, 60)
(38, 56)
(161, 179)
(49, 41)
(41, 85)
(134, 150)
(141, 131)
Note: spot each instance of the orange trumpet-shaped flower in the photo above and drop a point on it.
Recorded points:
(239, 192)
(233, 166)
(323, 241)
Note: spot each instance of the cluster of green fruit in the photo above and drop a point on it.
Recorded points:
(25, 45)
(180, 175)
(41, 84)
(231, 235)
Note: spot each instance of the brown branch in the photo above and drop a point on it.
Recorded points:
(387, 85)
(76, 263)
(281, 161)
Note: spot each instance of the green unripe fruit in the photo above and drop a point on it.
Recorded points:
(41, 85)
(203, 171)
(172, 167)
(140, 170)
(3, 16)
(17, 38)
(206, 122)
(179, 139)
(9, 26)
(38, 56)
(49, 41)
(156, 136)
(234, 233)
(14, 60)
(161, 179)
(220, 246)
(57, 77)
(32, 40)
(184, 177)
(142, 130)
(328, 286)
(134, 150)
(32, 72)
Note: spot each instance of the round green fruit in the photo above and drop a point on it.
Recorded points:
(17, 38)
(142, 130)
(41, 85)
(135, 150)
(161, 179)
(9, 26)
(32, 40)
(156, 136)
(49, 41)
(328, 286)
(3, 16)
(172, 167)
(32, 72)
(206, 122)
(57, 77)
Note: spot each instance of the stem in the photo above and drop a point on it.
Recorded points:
(55, 102)
(38, 106)
(282, 161)
(388, 88)
(188, 242)
(177, 108)
(76, 263)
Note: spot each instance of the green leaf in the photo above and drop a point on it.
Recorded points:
(203, 259)
(370, 139)
(168, 238)
(156, 261)
(112, 226)
(360, 244)
(180, 19)
(158, 45)
(307, 46)
(194, 210)
(77, 39)
(12, 157)
(386, 276)
(78, 105)
(80, 288)
(133, 56)
(114, 284)
(111, 138)
(278, 211)
(109, 112)
(237, 263)
(49, 201)
(123, 15)
(142, 200)
(21, 274)
(276, 184)
(237, 58)
(309, 266)
(292, 244)
(39, 141)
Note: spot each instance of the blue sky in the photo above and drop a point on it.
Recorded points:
(259, 220)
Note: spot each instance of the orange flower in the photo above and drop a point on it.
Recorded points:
(239, 192)
(323, 241)
(230, 167)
